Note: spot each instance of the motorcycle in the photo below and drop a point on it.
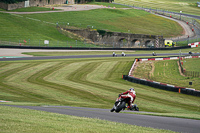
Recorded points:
(121, 104)
(114, 54)
(154, 54)
(123, 54)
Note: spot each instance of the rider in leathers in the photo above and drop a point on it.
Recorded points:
(129, 94)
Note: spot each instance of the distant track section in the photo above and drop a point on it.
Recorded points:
(80, 56)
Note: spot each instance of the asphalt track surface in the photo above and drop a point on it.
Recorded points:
(168, 123)
(83, 56)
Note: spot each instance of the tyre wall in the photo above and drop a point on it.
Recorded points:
(158, 85)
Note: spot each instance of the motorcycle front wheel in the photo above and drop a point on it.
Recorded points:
(120, 107)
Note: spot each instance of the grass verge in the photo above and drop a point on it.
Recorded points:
(24, 120)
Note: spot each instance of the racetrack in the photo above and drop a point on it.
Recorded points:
(79, 56)
(168, 123)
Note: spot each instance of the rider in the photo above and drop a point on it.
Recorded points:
(131, 94)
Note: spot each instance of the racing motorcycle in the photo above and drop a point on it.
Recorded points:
(121, 104)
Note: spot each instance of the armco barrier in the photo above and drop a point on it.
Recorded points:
(159, 85)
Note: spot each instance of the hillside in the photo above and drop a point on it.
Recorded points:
(43, 26)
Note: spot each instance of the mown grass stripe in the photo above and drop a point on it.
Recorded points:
(68, 90)
(6, 87)
(19, 86)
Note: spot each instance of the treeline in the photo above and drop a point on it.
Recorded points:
(11, 1)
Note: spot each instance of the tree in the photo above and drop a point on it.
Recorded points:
(11, 1)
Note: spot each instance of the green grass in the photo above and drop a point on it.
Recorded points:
(191, 64)
(15, 28)
(2, 9)
(74, 82)
(24, 120)
(167, 72)
(186, 6)
(35, 28)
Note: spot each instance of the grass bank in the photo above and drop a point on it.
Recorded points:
(23, 120)
(35, 28)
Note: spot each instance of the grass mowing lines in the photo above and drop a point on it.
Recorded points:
(18, 81)
(99, 76)
(95, 91)
(77, 92)
(80, 76)
(61, 91)
(105, 73)
(37, 92)
(10, 71)
(121, 68)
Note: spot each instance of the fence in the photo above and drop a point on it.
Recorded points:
(191, 74)
(188, 73)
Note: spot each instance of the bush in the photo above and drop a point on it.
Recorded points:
(11, 1)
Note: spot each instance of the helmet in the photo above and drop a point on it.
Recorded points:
(132, 90)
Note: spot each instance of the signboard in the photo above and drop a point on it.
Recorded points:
(26, 4)
(46, 41)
